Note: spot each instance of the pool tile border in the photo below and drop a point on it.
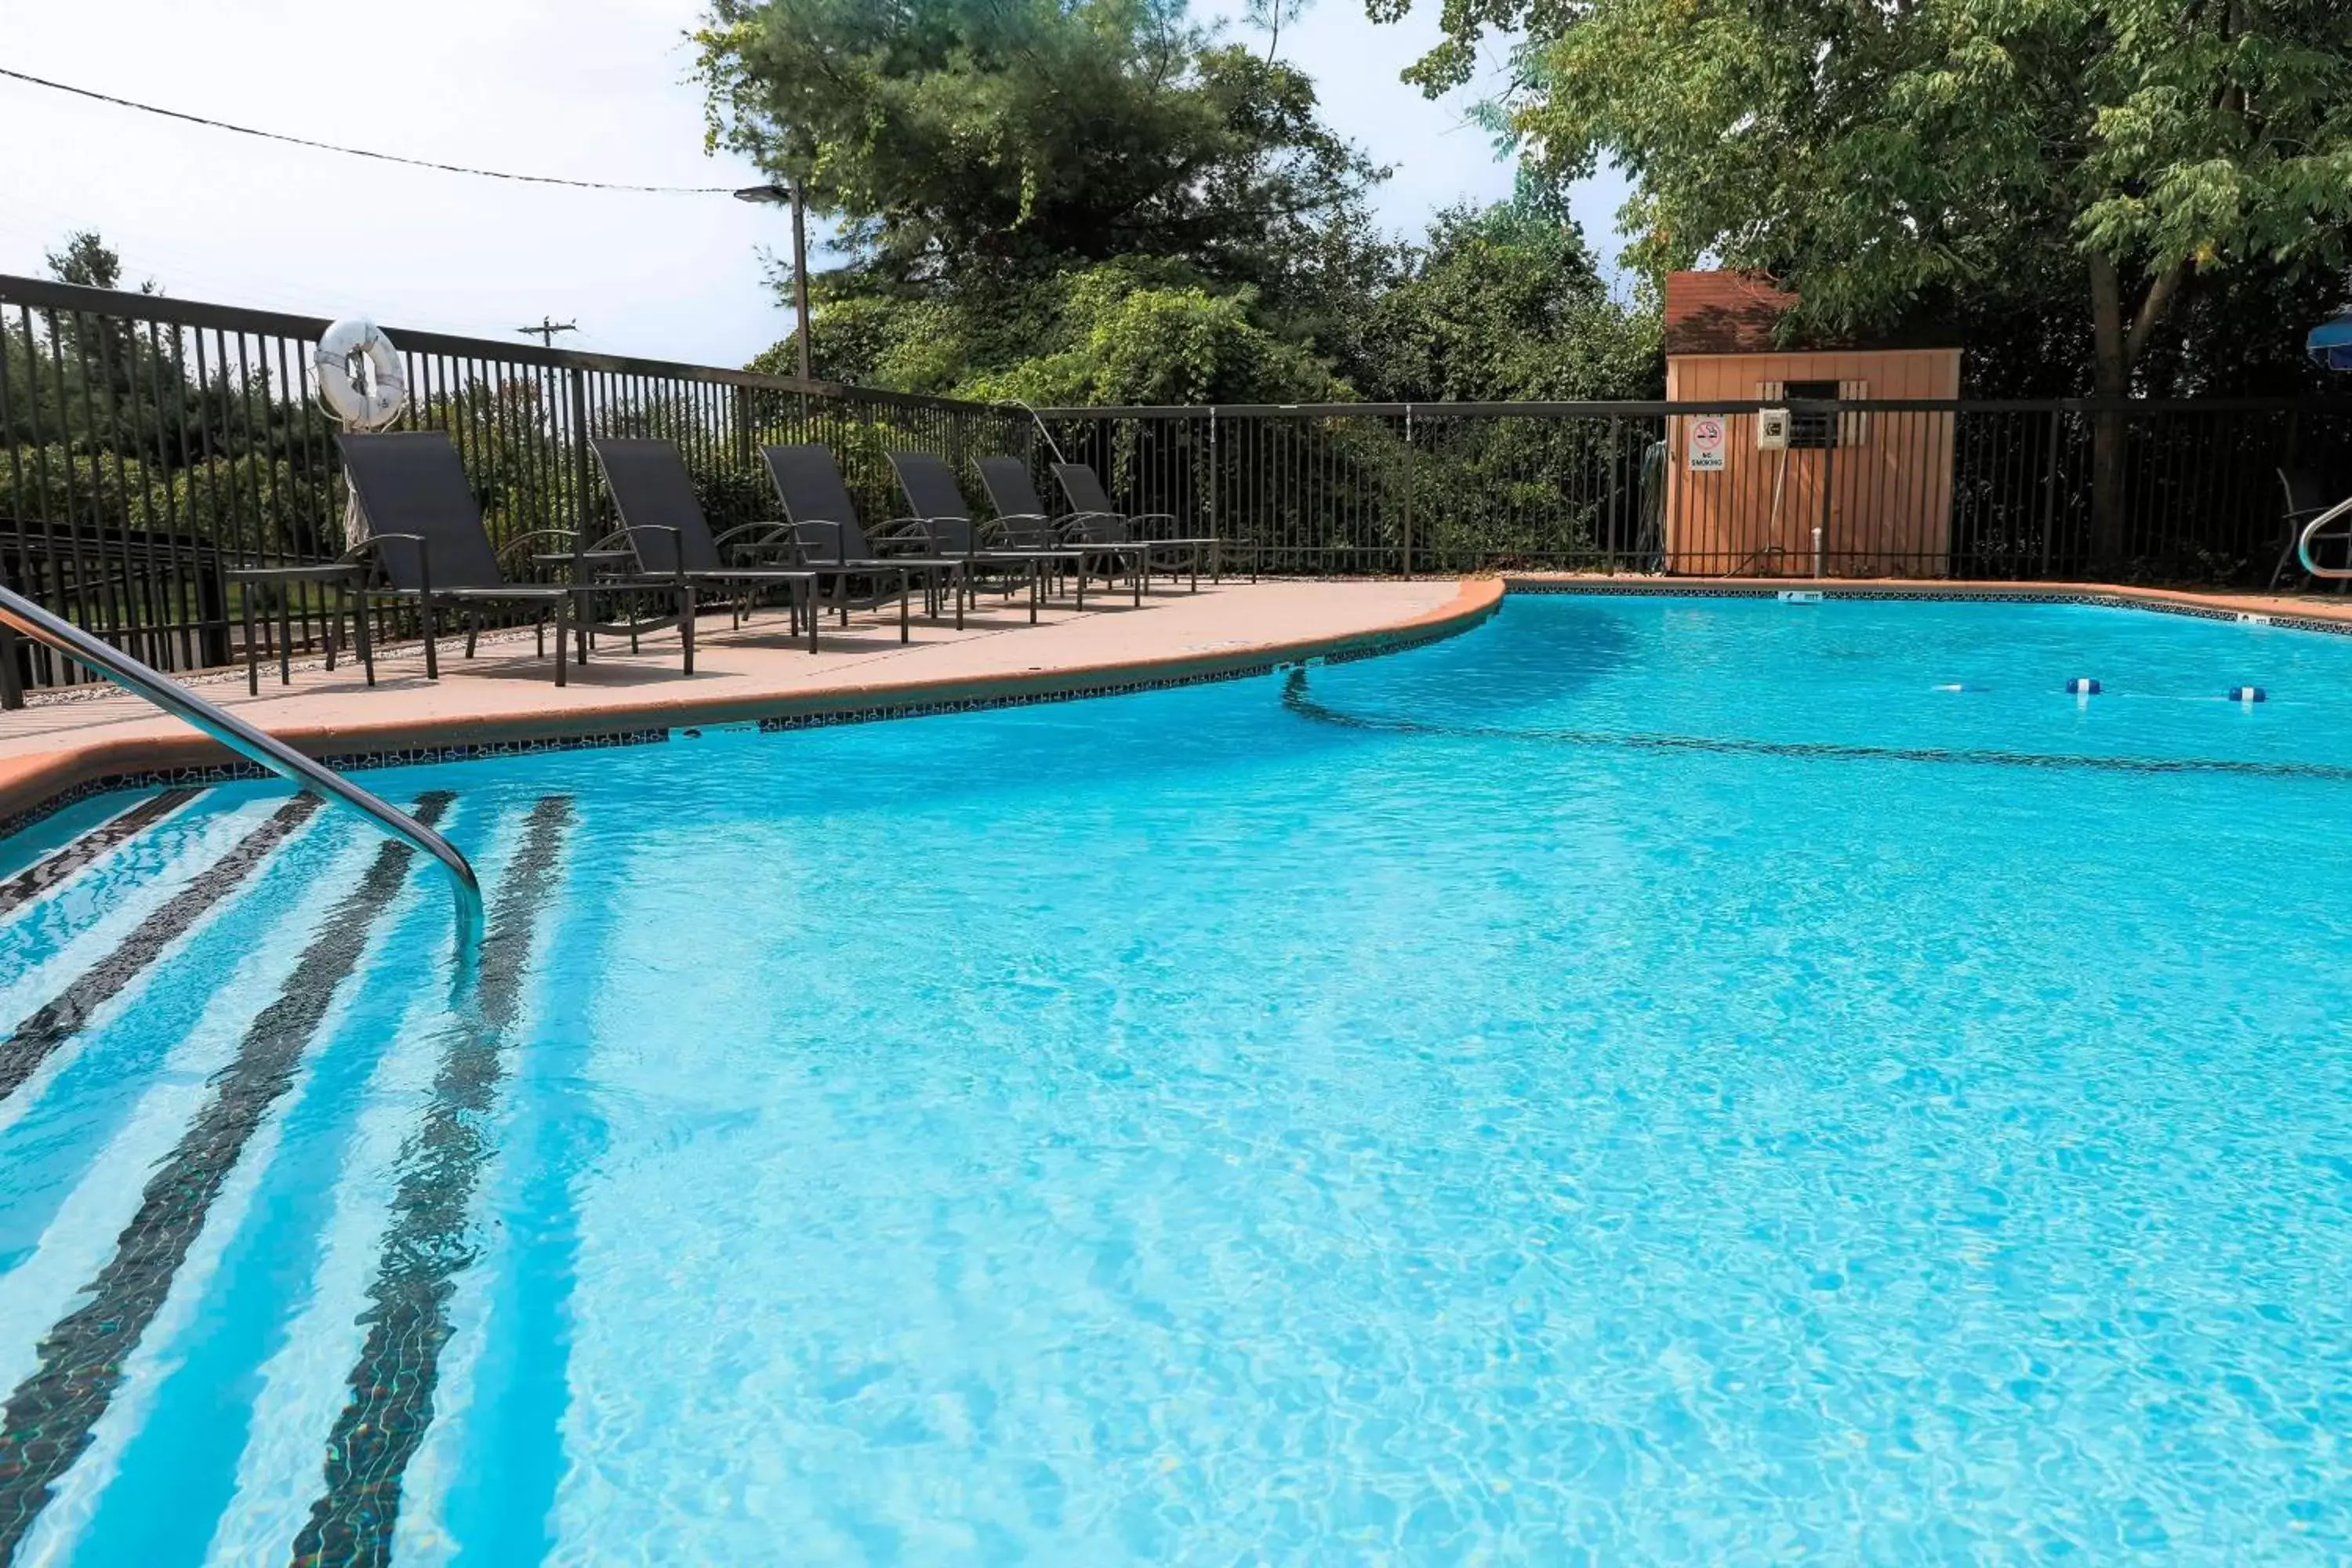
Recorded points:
(1480, 599)
(1681, 588)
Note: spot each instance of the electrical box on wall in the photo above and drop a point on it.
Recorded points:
(1772, 429)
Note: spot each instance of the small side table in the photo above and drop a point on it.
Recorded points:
(341, 577)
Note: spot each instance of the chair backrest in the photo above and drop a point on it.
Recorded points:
(934, 495)
(2304, 493)
(653, 492)
(810, 486)
(411, 481)
(1098, 520)
(930, 487)
(1009, 489)
(1085, 490)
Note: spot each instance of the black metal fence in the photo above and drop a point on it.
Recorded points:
(1979, 489)
(148, 446)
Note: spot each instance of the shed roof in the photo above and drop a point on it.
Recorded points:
(1724, 312)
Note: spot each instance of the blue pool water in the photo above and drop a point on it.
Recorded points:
(1649, 1079)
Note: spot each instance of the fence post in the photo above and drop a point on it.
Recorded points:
(1408, 489)
(1616, 491)
(212, 610)
(1829, 481)
(578, 393)
(1212, 477)
(2050, 489)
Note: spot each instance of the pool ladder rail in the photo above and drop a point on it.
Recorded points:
(22, 615)
(2311, 533)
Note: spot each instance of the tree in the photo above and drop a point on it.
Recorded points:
(975, 143)
(1503, 304)
(1882, 158)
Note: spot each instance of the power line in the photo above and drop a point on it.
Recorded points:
(362, 152)
(547, 328)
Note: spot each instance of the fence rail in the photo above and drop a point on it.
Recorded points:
(150, 445)
(1900, 488)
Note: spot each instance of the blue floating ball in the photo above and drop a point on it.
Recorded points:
(2081, 686)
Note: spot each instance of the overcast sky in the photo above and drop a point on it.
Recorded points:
(582, 88)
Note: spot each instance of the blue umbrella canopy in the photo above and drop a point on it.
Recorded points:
(2330, 342)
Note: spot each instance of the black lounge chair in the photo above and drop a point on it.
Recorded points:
(2305, 499)
(937, 501)
(1098, 520)
(426, 535)
(661, 518)
(1023, 517)
(826, 536)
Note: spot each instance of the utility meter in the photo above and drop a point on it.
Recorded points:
(1772, 429)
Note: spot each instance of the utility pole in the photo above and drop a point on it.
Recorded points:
(789, 193)
(547, 328)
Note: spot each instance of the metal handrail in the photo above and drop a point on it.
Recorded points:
(22, 614)
(2311, 531)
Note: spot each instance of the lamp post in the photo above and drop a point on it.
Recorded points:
(789, 195)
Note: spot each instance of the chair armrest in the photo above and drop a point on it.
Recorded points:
(424, 555)
(820, 529)
(1145, 521)
(897, 530)
(373, 540)
(518, 547)
(769, 526)
(321, 572)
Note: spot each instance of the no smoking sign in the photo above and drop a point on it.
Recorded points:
(1706, 444)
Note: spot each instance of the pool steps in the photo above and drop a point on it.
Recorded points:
(85, 1388)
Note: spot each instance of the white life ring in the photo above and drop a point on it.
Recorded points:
(361, 379)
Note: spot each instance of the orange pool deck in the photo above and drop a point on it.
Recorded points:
(506, 696)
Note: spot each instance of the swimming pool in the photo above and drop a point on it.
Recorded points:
(1665, 1080)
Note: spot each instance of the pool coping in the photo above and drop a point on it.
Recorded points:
(32, 788)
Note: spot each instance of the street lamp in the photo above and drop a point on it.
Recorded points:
(789, 195)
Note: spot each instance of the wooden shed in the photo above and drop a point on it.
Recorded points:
(1876, 484)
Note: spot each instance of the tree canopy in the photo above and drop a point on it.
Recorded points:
(1100, 201)
(2142, 163)
(963, 138)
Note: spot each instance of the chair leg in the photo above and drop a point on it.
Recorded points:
(286, 640)
(685, 623)
(904, 583)
(252, 650)
(432, 654)
(473, 631)
(364, 636)
(335, 626)
(2293, 538)
(806, 592)
(562, 639)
